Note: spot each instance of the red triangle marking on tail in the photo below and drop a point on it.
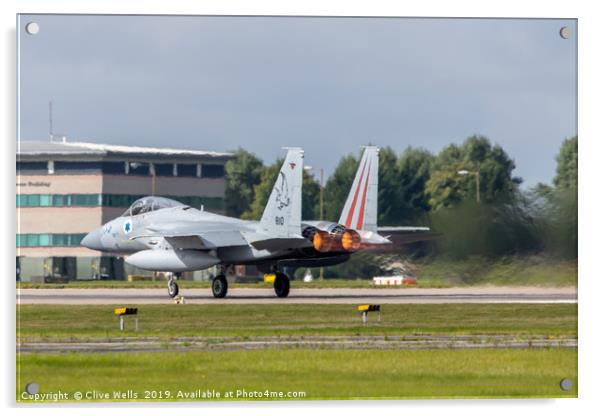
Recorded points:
(357, 191)
(360, 220)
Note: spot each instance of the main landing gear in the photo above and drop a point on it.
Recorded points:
(219, 286)
(282, 285)
(172, 286)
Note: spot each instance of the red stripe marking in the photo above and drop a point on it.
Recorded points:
(360, 220)
(357, 191)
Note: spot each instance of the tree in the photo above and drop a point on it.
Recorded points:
(566, 165)
(446, 188)
(557, 206)
(310, 208)
(414, 170)
(388, 187)
(243, 173)
(337, 187)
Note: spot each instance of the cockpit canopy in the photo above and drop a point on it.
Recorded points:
(150, 203)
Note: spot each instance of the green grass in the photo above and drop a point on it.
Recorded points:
(512, 271)
(60, 321)
(321, 374)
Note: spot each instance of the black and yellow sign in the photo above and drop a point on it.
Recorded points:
(369, 308)
(126, 311)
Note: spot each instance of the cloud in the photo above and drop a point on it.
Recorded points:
(327, 84)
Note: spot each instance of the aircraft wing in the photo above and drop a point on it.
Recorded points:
(206, 240)
(210, 240)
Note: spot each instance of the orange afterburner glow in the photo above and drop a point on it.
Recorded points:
(323, 241)
(351, 240)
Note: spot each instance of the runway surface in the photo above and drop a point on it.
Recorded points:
(303, 296)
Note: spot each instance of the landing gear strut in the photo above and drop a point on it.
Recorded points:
(219, 286)
(282, 285)
(172, 286)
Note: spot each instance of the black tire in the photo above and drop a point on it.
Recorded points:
(282, 285)
(172, 289)
(219, 287)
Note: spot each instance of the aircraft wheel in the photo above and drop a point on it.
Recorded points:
(219, 286)
(282, 285)
(172, 288)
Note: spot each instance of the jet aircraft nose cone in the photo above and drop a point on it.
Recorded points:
(92, 240)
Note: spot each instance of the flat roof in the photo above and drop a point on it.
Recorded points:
(56, 148)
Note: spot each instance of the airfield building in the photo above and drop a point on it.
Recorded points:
(66, 189)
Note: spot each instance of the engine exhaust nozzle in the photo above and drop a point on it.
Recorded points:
(351, 240)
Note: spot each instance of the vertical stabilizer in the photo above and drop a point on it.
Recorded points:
(282, 214)
(360, 209)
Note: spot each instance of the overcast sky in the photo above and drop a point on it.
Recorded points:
(329, 85)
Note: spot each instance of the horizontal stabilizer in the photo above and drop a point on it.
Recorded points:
(260, 242)
(407, 235)
(402, 229)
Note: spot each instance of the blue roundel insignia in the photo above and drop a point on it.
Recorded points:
(127, 227)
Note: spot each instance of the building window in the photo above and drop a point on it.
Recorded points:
(32, 166)
(119, 201)
(109, 200)
(212, 171)
(45, 200)
(114, 168)
(164, 169)
(187, 170)
(49, 240)
(84, 200)
(61, 167)
(136, 168)
(61, 200)
(60, 240)
(44, 240)
(28, 200)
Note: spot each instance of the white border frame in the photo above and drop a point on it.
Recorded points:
(589, 212)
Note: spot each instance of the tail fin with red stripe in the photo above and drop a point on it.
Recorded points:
(361, 207)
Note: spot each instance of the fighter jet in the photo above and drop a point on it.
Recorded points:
(161, 234)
